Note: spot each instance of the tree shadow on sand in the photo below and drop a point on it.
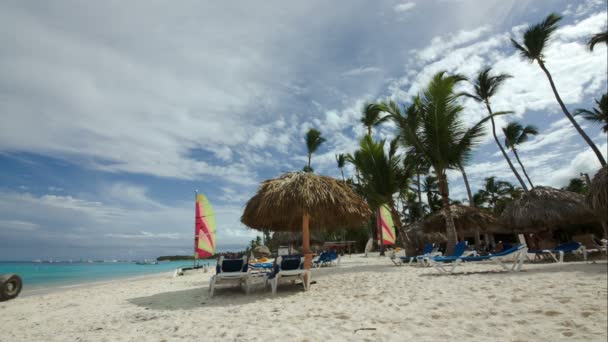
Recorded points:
(224, 296)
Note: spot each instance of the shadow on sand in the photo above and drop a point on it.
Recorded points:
(224, 296)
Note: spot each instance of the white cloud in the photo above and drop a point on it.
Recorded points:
(404, 7)
(361, 70)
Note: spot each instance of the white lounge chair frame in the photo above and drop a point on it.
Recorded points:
(520, 257)
(300, 274)
(238, 278)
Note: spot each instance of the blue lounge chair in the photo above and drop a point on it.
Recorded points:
(289, 267)
(518, 251)
(428, 250)
(230, 271)
(459, 249)
(569, 247)
(327, 259)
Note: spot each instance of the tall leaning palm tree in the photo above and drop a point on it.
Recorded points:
(313, 141)
(516, 134)
(436, 131)
(597, 115)
(486, 86)
(535, 39)
(601, 37)
(371, 117)
(341, 161)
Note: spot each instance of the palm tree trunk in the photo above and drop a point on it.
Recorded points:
(449, 221)
(309, 155)
(521, 181)
(471, 204)
(369, 131)
(578, 128)
(522, 167)
(405, 239)
(342, 171)
(420, 210)
(466, 184)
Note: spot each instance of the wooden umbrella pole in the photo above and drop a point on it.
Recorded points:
(306, 241)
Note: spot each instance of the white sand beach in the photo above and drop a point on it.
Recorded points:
(362, 299)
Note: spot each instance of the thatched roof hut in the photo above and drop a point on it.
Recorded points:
(598, 194)
(597, 198)
(295, 238)
(545, 208)
(302, 201)
(466, 219)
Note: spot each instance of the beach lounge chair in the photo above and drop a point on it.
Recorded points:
(459, 249)
(230, 271)
(327, 259)
(518, 253)
(589, 244)
(289, 267)
(428, 250)
(561, 250)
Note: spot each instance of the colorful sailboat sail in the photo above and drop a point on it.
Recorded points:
(204, 228)
(385, 225)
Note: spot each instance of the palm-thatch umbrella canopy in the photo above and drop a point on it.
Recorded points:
(597, 198)
(303, 200)
(261, 251)
(544, 208)
(467, 220)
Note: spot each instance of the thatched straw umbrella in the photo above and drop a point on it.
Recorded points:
(467, 220)
(543, 208)
(303, 200)
(598, 197)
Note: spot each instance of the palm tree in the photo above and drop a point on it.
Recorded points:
(341, 160)
(516, 134)
(535, 40)
(486, 86)
(434, 130)
(371, 117)
(313, 141)
(381, 175)
(601, 37)
(598, 115)
(495, 194)
(431, 189)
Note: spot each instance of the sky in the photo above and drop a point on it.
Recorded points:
(113, 113)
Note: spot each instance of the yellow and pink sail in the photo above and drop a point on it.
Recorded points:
(204, 228)
(386, 228)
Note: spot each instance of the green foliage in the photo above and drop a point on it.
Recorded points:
(313, 141)
(598, 115)
(496, 195)
(516, 134)
(536, 38)
(371, 117)
(577, 185)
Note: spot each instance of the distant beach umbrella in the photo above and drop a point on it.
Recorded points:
(305, 201)
(466, 219)
(545, 208)
(597, 198)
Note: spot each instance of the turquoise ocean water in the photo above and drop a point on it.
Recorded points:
(38, 277)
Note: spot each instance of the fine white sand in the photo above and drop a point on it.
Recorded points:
(544, 302)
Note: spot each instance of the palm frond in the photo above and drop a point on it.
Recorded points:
(601, 37)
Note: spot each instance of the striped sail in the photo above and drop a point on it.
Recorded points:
(204, 239)
(385, 225)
